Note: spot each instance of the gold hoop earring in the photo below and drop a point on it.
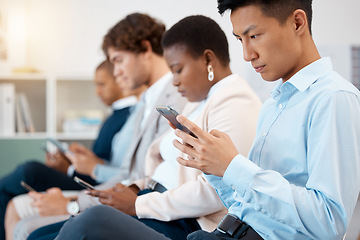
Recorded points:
(211, 73)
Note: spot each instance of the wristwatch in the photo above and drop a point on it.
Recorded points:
(73, 207)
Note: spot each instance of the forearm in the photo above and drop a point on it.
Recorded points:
(190, 200)
(316, 211)
(222, 189)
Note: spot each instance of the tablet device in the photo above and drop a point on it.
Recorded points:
(63, 147)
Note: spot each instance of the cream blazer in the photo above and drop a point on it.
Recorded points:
(232, 109)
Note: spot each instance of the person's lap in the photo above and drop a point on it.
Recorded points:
(37, 175)
(28, 225)
(30, 219)
(111, 224)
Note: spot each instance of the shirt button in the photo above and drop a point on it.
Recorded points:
(263, 211)
(280, 106)
(233, 188)
(264, 134)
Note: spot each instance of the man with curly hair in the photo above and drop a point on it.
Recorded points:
(133, 45)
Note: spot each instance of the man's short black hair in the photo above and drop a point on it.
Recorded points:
(278, 9)
(198, 33)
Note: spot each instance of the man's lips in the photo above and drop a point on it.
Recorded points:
(181, 92)
(258, 69)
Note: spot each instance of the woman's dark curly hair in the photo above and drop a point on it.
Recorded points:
(129, 34)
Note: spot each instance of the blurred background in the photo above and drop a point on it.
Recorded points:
(64, 36)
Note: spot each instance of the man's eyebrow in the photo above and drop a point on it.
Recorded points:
(251, 27)
(235, 34)
(113, 58)
(247, 30)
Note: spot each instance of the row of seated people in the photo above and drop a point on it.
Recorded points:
(142, 152)
(150, 189)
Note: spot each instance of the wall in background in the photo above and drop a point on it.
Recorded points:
(25, 149)
(65, 36)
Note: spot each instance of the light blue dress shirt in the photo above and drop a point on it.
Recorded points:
(119, 164)
(120, 144)
(301, 179)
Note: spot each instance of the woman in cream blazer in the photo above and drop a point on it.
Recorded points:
(233, 108)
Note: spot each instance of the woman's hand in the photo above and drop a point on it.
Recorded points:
(120, 197)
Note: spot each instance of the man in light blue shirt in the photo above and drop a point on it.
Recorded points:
(301, 179)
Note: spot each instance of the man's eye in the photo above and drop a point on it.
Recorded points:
(117, 60)
(178, 71)
(254, 36)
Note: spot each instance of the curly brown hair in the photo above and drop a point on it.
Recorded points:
(130, 32)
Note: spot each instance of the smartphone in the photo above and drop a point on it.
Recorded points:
(27, 186)
(61, 146)
(83, 183)
(170, 114)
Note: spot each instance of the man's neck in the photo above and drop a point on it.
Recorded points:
(311, 54)
(159, 69)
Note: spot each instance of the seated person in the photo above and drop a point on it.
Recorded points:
(174, 200)
(57, 170)
(301, 179)
(127, 53)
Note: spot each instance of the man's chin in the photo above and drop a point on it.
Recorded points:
(268, 78)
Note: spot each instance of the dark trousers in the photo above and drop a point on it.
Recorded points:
(104, 222)
(37, 175)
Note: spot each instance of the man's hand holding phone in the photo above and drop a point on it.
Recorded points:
(51, 203)
(62, 147)
(57, 161)
(27, 186)
(84, 160)
(209, 152)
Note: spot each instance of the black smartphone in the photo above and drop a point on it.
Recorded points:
(27, 186)
(170, 114)
(83, 183)
(61, 146)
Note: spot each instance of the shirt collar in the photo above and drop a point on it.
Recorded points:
(304, 78)
(154, 90)
(124, 102)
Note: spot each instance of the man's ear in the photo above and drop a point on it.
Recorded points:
(300, 21)
(146, 46)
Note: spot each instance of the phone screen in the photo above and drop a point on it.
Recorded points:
(170, 114)
(83, 183)
(27, 186)
(61, 146)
